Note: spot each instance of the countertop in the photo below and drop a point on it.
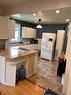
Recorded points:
(15, 52)
(18, 44)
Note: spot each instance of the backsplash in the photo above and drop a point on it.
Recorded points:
(2, 43)
(29, 40)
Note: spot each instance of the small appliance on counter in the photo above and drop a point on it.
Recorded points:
(29, 41)
(34, 41)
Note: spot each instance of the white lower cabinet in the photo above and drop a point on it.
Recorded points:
(2, 69)
(9, 67)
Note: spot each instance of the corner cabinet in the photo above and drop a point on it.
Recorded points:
(28, 32)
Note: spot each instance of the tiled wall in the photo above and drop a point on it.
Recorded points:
(2, 43)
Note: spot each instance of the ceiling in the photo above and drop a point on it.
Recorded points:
(28, 6)
(45, 9)
(46, 16)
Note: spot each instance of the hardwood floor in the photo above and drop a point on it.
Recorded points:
(24, 87)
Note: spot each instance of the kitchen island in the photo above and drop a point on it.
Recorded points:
(11, 59)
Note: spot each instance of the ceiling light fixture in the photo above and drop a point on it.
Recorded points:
(35, 21)
(39, 25)
(57, 11)
(67, 20)
(34, 14)
(16, 15)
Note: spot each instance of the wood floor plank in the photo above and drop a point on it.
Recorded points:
(22, 88)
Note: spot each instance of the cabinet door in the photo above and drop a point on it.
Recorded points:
(31, 63)
(11, 29)
(2, 69)
(23, 32)
(44, 40)
(28, 32)
(3, 27)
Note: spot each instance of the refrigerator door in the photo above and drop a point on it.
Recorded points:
(44, 43)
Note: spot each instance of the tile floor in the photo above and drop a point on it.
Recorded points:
(46, 76)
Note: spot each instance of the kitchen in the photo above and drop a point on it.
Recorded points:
(15, 45)
(7, 25)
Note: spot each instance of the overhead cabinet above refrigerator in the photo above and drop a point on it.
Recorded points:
(28, 32)
(47, 45)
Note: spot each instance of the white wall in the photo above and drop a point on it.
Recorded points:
(60, 42)
(67, 83)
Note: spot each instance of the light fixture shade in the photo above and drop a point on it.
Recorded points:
(38, 26)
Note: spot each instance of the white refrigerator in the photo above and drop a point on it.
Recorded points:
(47, 45)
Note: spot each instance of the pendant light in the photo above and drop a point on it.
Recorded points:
(39, 25)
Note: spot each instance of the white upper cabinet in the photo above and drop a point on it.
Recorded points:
(28, 32)
(3, 27)
(11, 29)
(7, 28)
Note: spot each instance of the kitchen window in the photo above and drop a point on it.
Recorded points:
(17, 33)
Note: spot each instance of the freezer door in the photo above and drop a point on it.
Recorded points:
(46, 55)
(47, 49)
